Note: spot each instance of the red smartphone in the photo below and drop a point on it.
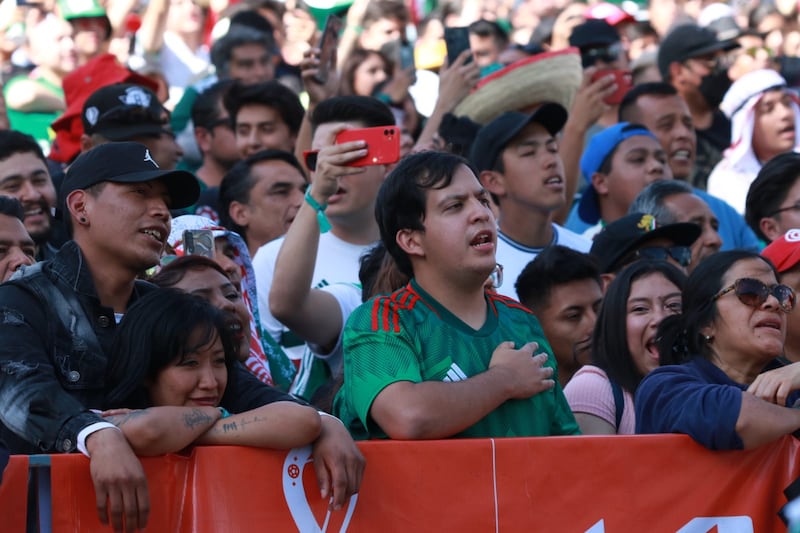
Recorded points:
(383, 144)
(623, 80)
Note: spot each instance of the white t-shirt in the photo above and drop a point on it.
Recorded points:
(337, 262)
(515, 257)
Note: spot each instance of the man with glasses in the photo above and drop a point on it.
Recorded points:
(773, 201)
(601, 47)
(694, 61)
(126, 112)
(638, 236)
(671, 201)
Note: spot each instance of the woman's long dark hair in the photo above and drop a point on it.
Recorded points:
(610, 339)
(679, 338)
(163, 326)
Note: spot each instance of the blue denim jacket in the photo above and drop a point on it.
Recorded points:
(51, 375)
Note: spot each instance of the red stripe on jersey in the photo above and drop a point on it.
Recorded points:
(508, 302)
(386, 309)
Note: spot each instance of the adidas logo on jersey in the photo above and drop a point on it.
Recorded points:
(455, 374)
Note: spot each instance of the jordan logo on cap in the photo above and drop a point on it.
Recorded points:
(148, 157)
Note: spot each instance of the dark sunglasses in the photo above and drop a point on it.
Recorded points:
(754, 293)
(606, 54)
(310, 158)
(681, 254)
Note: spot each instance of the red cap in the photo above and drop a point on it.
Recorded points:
(785, 251)
(78, 86)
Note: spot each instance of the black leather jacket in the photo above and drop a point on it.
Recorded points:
(54, 357)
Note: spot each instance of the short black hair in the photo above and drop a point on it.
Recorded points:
(770, 188)
(206, 107)
(14, 142)
(553, 266)
(627, 108)
(490, 28)
(239, 181)
(610, 341)
(12, 207)
(237, 35)
(401, 199)
(362, 109)
(269, 93)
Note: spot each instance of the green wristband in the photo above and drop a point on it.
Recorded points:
(322, 220)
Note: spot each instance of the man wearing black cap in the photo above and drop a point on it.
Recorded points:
(638, 236)
(126, 112)
(58, 323)
(601, 48)
(518, 161)
(693, 60)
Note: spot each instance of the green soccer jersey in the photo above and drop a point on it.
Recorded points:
(409, 336)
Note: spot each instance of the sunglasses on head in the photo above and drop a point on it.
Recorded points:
(754, 293)
(681, 254)
(606, 54)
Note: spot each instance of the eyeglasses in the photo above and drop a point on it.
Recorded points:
(681, 254)
(497, 276)
(754, 293)
(310, 158)
(793, 207)
(606, 54)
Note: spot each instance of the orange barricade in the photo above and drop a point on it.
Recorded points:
(14, 494)
(566, 484)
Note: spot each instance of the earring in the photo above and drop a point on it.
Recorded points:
(708, 338)
(82, 220)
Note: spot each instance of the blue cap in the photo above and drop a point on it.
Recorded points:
(600, 147)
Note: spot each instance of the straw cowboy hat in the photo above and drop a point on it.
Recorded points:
(547, 77)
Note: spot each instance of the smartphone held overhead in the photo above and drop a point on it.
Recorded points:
(456, 40)
(383, 144)
(328, 44)
(623, 80)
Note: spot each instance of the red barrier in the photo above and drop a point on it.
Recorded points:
(570, 484)
(14, 494)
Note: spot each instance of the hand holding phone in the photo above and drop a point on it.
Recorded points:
(328, 44)
(456, 40)
(623, 80)
(199, 242)
(383, 144)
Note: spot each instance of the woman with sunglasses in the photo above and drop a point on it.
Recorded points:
(716, 388)
(623, 346)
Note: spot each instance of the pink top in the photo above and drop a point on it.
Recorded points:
(589, 392)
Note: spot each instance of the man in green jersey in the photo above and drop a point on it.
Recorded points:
(443, 356)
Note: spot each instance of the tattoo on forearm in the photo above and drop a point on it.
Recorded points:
(196, 418)
(121, 420)
(236, 426)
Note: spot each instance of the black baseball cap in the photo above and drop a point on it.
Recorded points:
(495, 136)
(123, 111)
(630, 232)
(127, 162)
(593, 32)
(687, 41)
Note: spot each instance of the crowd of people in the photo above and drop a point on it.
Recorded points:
(592, 227)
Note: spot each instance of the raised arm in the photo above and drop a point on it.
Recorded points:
(317, 92)
(163, 429)
(278, 425)
(313, 314)
(455, 83)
